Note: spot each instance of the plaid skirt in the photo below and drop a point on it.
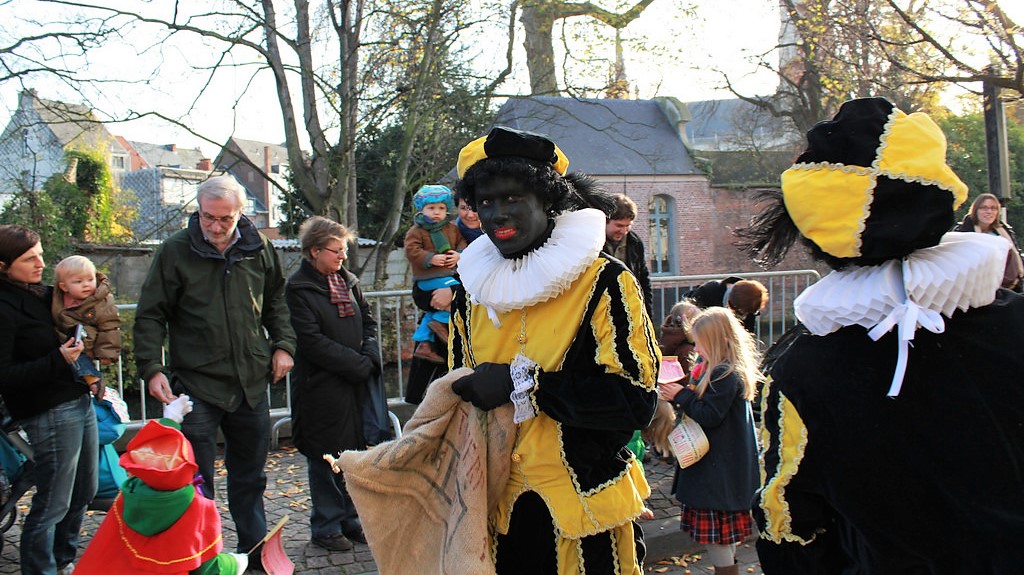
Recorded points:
(707, 526)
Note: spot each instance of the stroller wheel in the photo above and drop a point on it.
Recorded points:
(6, 523)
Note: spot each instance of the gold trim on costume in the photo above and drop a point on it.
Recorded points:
(792, 443)
(135, 553)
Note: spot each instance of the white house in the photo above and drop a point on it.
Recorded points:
(33, 144)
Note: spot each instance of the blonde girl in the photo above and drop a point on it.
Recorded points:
(715, 493)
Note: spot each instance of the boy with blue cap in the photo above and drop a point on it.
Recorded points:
(432, 246)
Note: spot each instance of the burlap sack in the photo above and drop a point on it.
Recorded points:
(424, 499)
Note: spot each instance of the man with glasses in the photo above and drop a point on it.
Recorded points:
(216, 291)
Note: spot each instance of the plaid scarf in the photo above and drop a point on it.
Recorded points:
(340, 295)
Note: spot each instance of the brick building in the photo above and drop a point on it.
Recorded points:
(638, 147)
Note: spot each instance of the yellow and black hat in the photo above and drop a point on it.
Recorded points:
(873, 183)
(503, 141)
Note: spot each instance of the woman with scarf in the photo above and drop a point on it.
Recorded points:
(337, 353)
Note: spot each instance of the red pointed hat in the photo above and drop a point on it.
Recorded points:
(160, 457)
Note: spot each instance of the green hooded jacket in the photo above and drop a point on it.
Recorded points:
(213, 309)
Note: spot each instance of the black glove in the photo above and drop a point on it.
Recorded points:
(372, 352)
(489, 386)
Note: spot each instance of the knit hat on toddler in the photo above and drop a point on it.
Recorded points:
(434, 194)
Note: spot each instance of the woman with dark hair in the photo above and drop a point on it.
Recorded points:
(985, 217)
(42, 395)
(560, 331)
(468, 220)
(336, 355)
(894, 414)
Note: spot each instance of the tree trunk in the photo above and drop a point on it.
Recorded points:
(348, 34)
(539, 17)
(538, 22)
(416, 107)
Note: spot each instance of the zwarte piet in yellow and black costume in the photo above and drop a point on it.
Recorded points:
(562, 332)
(893, 417)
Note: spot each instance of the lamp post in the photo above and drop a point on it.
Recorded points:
(996, 149)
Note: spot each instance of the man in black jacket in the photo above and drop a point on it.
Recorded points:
(624, 245)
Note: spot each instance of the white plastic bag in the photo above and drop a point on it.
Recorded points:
(688, 441)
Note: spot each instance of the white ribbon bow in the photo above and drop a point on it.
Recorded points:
(908, 316)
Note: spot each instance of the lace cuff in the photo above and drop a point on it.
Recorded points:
(523, 371)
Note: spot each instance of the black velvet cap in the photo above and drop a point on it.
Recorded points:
(503, 141)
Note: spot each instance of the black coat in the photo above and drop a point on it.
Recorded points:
(726, 477)
(33, 374)
(894, 485)
(329, 382)
(712, 294)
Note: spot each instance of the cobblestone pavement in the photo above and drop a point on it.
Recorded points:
(697, 564)
(670, 551)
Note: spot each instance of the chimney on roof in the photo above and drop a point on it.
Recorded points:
(71, 172)
(677, 113)
(205, 164)
(266, 178)
(172, 147)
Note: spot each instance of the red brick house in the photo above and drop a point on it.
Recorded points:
(261, 168)
(638, 147)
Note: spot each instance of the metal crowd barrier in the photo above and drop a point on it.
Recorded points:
(393, 309)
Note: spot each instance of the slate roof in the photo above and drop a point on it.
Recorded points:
(74, 123)
(604, 137)
(162, 155)
(253, 151)
(734, 124)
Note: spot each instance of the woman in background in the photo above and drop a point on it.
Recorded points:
(985, 217)
(336, 355)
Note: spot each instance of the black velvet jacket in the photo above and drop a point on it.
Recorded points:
(930, 481)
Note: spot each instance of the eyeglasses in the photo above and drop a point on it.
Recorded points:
(988, 209)
(222, 220)
(338, 253)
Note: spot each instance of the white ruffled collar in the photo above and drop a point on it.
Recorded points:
(503, 285)
(963, 271)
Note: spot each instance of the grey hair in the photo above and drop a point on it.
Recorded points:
(317, 231)
(224, 187)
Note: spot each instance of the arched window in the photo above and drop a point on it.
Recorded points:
(662, 236)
